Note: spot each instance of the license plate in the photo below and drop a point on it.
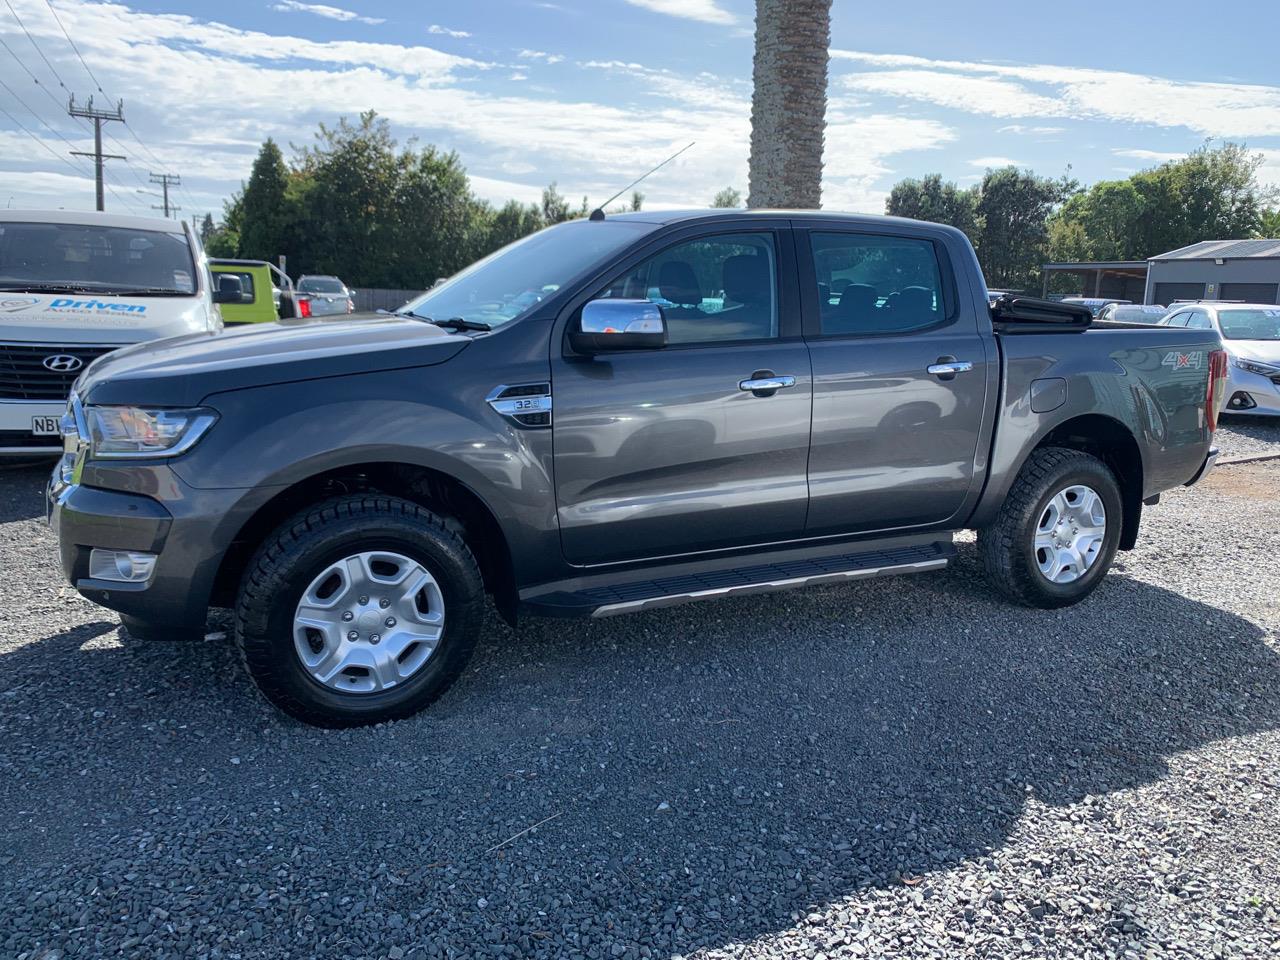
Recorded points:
(46, 426)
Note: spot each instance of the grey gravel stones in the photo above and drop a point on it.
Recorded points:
(888, 769)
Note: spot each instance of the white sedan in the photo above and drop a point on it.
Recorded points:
(1250, 333)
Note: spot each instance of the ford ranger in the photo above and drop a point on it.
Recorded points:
(613, 415)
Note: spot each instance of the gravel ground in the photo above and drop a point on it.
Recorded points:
(899, 768)
(1248, 437)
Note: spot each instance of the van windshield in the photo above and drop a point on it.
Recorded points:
(512, 281)
(76, 257)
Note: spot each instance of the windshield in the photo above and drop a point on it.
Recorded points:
(89, 257)
(321, 285)
(1250, 324)
(507, 284)
(1139, 314)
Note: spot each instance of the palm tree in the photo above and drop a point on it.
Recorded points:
(789, 105)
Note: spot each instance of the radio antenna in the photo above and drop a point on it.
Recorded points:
(598, 212)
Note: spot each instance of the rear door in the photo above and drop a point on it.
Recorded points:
(663, 452)
(903, 377)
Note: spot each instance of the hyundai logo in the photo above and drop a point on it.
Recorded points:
(63, 363)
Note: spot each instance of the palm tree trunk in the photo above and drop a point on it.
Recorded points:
(789, 105)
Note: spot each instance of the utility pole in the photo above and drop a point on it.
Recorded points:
(165, 179)
(89, 112)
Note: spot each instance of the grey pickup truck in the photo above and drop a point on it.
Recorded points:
(612, 415)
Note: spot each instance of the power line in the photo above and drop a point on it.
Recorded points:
(42, 122)
(166, 180)
(52, 69)
(18, 123)
(36, 80)
(79, 55)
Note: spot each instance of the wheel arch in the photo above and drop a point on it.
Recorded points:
(434, 489)
(1115, 445)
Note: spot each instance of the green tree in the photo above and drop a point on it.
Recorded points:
(1013, 237)
(1211, 194)
(267, 215)
(555, 208)
(637, 201)
(207, 228)
(938, 201)
(1269, 224)
(728, 197)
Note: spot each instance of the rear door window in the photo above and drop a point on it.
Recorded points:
(872, 285)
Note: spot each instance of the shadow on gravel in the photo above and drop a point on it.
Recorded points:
(703, 775)
(22, 486)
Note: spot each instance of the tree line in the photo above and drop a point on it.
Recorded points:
(1018, 220)
(357, 205)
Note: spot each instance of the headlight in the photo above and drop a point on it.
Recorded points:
(1253, 366)
(139, 432)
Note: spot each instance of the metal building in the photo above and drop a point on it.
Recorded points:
(1242, 270)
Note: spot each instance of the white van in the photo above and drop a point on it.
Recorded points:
(74, 286)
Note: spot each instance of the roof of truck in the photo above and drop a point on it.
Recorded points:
(93, 218)
(667, 217)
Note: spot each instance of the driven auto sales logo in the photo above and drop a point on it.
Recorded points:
(17, 304)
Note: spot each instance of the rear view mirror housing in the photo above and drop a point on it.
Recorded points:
(607, 325)
(230, 289)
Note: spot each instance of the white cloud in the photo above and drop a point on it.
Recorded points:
(1152, 156)
(446, 32)
(1213, 109)
(540, 55)
(994, 163)
(706, 11)
(1022, 129)
(989, 95)
(324, 10)
(858, 152)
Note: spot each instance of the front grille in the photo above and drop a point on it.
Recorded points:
(23, 375)
(20, 438)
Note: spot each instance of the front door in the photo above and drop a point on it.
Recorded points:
(902, 381)
(668, 451)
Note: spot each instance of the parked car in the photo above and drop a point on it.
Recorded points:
(712, 445)
(74, 286)
(328, 295)
(1251, 335)
(266, 292)
(1095, 304)
(1133, 312)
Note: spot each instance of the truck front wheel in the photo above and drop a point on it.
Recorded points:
(359, 610)
(1057, 532)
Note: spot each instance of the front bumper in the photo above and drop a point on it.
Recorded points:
(188, 529)
(1210, 460)
(16, 436)
(1262, 392)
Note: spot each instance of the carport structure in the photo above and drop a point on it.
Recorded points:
(1120, 279)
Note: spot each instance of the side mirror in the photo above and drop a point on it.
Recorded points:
(619, 325)
(230, 289)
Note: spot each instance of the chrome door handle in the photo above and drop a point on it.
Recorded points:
(946, 369)
(766, 383)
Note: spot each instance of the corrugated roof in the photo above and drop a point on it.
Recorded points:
(1224, 250)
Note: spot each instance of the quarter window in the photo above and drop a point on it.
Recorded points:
(876, 284)
(720, 288)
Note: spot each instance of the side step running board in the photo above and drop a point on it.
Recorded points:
(630, 597)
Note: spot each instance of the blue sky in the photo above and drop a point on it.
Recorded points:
(591, 92)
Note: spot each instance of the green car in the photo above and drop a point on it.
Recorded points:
(266, 292)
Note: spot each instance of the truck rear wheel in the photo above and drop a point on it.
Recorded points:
(361, 609)
(1057, 532)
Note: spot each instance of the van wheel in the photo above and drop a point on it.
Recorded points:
(1057, 532)
(359, 610)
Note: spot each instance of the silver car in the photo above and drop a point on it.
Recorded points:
(327, 295)
(1250, 333)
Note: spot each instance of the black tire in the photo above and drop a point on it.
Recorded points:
(296, 552)
(1008, 545)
